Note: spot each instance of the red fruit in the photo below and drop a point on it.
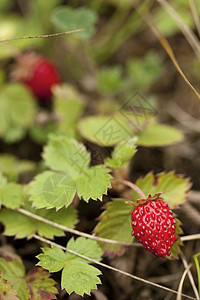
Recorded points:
(36, 72)
(153, 224)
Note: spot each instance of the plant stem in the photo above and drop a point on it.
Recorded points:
(133, 187)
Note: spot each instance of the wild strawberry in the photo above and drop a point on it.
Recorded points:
(36, 72)
(153, 224)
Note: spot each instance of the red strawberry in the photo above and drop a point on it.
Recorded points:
(153, 224)
(38, 73)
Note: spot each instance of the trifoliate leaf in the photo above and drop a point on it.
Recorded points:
(40, 285)
(14, 272)
(115, 224)
(16, 101)
(77, 275)
(52, 189)
(68, 18)
(94, 182)
(105, 131)
(156, 134)
(66, 155)
(6, 291)
(35, 285)
(22, 226)
(12, 195)
(122, 153)
(174, 187)
(12, 167)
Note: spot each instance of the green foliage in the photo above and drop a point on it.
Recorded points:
(122, 153)
(11, 167)
(3, 181)
(6, 291)
(109, 80)
(156, 134)
(67, 18)
(53, 189)
(16, 101)
(142, 73)
(196, 257)
(12, 195)
(22, 226)
(115, 224)
(77, 275)
(174, 187)
(35, 284)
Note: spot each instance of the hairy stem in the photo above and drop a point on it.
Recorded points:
(132, 186)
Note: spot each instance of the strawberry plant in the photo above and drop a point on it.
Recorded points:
(93, 166)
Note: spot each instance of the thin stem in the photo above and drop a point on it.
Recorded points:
(132, 186)
(93, 237)
(111, 268)
(189, 275)
(40, 36)
(86, 235)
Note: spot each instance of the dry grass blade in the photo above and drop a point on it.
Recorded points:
(188, 33)
(189, 275)
(148, 19)
(181, 282)
(40, 36)
(195, 15)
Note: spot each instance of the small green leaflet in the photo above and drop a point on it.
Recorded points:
(52, 189)
(156, 134)
(71, 173)
(3, 181)
(115, 224)
(12, 195)
(89, 183)
(122, 153)
(31, 286)
(174, 187)
(16, 101)
(66, 155)
(22, 226)
(68, 18)
(6, 291)
(78, 275)
(12, 167)
(175, 250)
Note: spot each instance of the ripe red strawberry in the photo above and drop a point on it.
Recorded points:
(38, 73)
(153, 224)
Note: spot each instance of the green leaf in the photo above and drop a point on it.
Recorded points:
(3, 181)
(14, 134)
(16, 101)
(77, 275)
(66, 155)
(12, 167)
(174, 187)
(22, 226)
(94, 182)
(12, 195)
(14, 272)
(115, 224)
(67, 18)
(105, 131)
(156, 134)
(52, 189)
(122, 153)
(40, 285)
(109, 80)
(52, 259)
(80, 278)
(84, 247)
(6, 291)
(175, 250)
(35, 285)
(40, 133)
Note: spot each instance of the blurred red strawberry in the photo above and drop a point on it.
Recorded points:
(38, 73)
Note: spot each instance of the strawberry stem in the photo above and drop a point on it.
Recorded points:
(133, 187)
